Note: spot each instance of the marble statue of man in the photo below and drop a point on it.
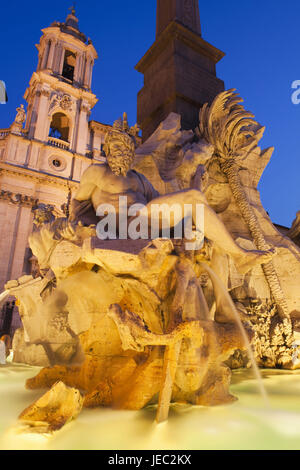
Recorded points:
(105, 183)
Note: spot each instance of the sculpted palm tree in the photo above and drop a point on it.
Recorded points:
(234, 134)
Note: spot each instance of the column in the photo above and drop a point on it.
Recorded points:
(82, 71)
(82, 133)
(86, 72)
(91, 74)
(62, 58)
(46, 54)
(77, 68)
(82, 64)
(32, 116)
(57, 58)
(51, 55)
(9, 215)
(42, 116)
(39, 62)
(21, 241)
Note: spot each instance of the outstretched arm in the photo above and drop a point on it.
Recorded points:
(214, 229)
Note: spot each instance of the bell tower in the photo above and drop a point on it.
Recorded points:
(43, 162)
(179, 69)
(59, 95)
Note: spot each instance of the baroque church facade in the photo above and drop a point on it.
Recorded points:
(45, 151)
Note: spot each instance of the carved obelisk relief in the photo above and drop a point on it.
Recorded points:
(183, 11)
(179, 68)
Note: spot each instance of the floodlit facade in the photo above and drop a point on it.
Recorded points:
(45, 151)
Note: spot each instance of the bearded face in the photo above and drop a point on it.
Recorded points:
(43, 215)
(120, 155)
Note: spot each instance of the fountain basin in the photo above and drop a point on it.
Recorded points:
(246, 424)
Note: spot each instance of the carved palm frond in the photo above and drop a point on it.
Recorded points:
(234, 134)
(229, 127)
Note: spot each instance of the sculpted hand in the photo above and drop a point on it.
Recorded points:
(64, 229)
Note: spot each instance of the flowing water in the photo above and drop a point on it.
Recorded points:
(233, 309)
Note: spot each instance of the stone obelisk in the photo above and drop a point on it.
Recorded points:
(179, 69)
(184, 11)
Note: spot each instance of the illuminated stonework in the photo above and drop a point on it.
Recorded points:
(47, 148)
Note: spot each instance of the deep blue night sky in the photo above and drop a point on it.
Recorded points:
(260, 37)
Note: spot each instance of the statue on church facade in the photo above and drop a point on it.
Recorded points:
(19, 121)
(21, 115)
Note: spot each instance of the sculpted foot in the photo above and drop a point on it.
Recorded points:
(253, 258)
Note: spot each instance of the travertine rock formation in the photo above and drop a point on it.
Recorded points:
(28, 353)
(45, 338)
(120, 359)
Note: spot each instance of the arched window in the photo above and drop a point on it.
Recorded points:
(69, 65)
(59, 127)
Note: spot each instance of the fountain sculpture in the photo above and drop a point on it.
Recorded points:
(133, 322)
